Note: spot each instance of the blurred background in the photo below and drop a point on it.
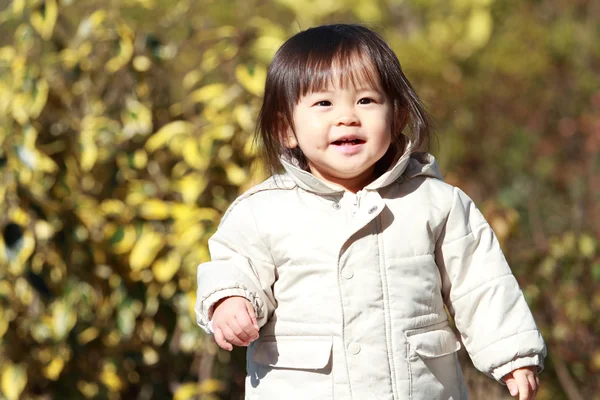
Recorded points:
(126, 131)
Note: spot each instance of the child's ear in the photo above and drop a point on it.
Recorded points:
(289, 139)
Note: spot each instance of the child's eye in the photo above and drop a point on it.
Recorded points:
(366, 100)
(323, 103)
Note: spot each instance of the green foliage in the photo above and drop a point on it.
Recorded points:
(125, 132)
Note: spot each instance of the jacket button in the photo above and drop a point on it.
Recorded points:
(336, 205)
(372, 209)
(354, 348)
(347, 273)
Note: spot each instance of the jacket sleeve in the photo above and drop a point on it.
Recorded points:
(240, 265)
(483, 296)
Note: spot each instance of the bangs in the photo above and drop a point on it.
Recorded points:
(340, 69)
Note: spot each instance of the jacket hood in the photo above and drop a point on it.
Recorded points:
(409, 165)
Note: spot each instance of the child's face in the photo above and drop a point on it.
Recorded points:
(343, 132)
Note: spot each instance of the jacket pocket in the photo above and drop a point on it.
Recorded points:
(291, 367)
(433, 367)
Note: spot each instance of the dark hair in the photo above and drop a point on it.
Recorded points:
(305, 63)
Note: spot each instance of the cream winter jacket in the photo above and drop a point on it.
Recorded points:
(349, 289)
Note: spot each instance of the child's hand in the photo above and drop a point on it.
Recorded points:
(234, 322)
(523, 381)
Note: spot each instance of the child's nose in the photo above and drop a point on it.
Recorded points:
(347, 117)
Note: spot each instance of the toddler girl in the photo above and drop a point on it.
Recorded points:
(345, 263)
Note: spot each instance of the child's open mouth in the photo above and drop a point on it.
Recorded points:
(348, 142)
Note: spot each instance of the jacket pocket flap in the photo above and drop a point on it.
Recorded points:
(433, 343)
(300, 352)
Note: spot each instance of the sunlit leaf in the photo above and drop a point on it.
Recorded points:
(53, 370)
(235, 174)
(587, 246)
(125, 50)
(479, 27)
(155, 209)
(208, 93)
(186, 391)
(13, 380)
(145, 249)
(252, 79)
(166, 133)
(137, 118)
(44, 20)
(211, 386)
(109, 377)
(88, 335)
(165, 268)
(63, 320)
(122, 238)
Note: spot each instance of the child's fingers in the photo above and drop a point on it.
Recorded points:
(221, 342)
(238, 330)
(252, 315)
(533, 384)
(512, 386)
(246, 323)
(523, 385)
(231, 337)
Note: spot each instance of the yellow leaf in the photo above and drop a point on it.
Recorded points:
(211, 386)
(43, 230)
(125, 51)
(186, 391)
(46, 163)
(88, 389)
(45, 23)
(479, 29)
(89, 155)
(88, 25)
(191, 79)
(18, 7)
(185, 212)
(63, 320)
(19, 108)
(140, 159)
(190, 237)
(13, 381)
(253, 80)
(244, 117)
(123, 239)
(53, 370)
(165, 268)
(587, 246)
(192, 156)
(4, 322)
(39, 101)
(150, 355)
(166, 133)
(145, 250)
(191, 186)
(207, 93)
(142, 63)
(155, 209)
(137, 118)
(112, 207)
(109, 377)
(235, 174)
(88, 335)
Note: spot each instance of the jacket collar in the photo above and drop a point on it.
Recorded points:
(311, 183)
